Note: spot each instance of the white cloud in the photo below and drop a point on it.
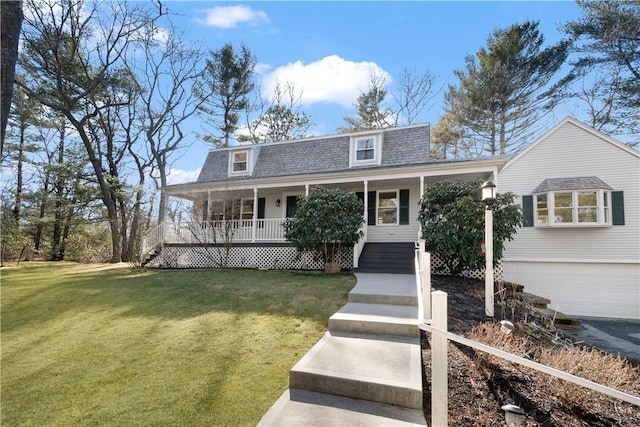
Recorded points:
(230, 16)
(179, 176)
(331, 79)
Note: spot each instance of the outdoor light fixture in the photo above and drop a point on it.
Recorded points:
(278, 203)
(488, 193)
(513, 414)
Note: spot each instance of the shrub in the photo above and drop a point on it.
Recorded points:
(327, 223)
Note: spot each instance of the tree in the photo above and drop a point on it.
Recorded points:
(228, 81)
(504, 90)
(73, 61)
(452, 218)
(607, 42)
(11, 15)
(413, 93)
(281, 121)
(327, 223)
(448, 139)
(165, 72)
(370, 108)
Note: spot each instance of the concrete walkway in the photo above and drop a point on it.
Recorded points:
(367, 370)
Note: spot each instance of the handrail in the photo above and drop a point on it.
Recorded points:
(634, 400)
(151, 240)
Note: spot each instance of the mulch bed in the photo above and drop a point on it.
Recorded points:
(478, 386)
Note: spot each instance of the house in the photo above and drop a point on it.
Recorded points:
(252, 188)
(580, 247)
(579, 189)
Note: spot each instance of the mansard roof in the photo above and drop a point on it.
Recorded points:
(401, 146)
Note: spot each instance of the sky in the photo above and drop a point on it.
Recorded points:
(327, 49)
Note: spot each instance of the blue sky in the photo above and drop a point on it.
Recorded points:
(327, 49)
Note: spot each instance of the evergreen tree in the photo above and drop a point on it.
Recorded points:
(229, 80)
(504, 90)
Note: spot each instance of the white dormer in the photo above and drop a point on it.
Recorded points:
(241, 161)
(365, 149)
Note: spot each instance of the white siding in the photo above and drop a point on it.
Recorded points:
(561, 261)
(398, 233)
(594, 289)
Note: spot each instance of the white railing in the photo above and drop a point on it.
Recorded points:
(151, 240)
(218, 231)
(357, 248)
(432, 318)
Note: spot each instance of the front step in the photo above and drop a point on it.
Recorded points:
(297, 408)
(382, 369)
(393, 258)
(401, 289)
(383, 319)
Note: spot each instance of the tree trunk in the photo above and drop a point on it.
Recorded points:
(11, 13)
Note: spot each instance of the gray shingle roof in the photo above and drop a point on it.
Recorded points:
(401, 146)
(578, 183)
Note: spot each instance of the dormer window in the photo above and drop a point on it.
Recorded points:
(239, 162)
(366, 150)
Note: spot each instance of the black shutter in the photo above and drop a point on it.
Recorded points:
(404, 207)
(617, 207)
(261, 209)
(291, 206)
(527, 211)
(371, 220)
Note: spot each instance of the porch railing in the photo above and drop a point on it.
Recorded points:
(239, 231)
(151, 240)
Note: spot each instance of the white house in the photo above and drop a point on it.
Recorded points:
(580, 192)
(580, 248)
(388, 169)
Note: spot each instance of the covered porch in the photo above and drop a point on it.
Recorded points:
(250, 213)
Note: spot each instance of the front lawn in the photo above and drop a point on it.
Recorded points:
(107, 345)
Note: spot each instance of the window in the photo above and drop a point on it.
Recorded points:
(573, 202)
(573, 208)
(221, 210)
(365, 149)
(240, 163)
(246, 209)
(388, 207)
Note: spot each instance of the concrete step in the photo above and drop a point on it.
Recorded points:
(384, 319)
(535, 300)
(297, 408)
(560, 320)
(395, 289)
(383, 369)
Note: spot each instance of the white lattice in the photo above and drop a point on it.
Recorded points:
(264, 257)
(439, 267)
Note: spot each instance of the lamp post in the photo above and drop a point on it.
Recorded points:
(488, 197)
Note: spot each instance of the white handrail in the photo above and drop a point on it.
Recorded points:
(634, 400)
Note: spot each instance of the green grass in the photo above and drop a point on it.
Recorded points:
(98, 345)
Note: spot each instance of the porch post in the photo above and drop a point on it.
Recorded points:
(306, 190)
(254, 222)
(420, 195)
(366, 208)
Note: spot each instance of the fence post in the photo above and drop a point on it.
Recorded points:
(425, 277)
(439, 363)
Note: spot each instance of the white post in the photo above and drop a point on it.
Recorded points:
(488, 273)
(306, 190)
(425, 277)
(439, 363)
(254, 220)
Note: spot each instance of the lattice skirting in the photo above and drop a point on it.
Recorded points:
(273, 257)
(439, 267)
